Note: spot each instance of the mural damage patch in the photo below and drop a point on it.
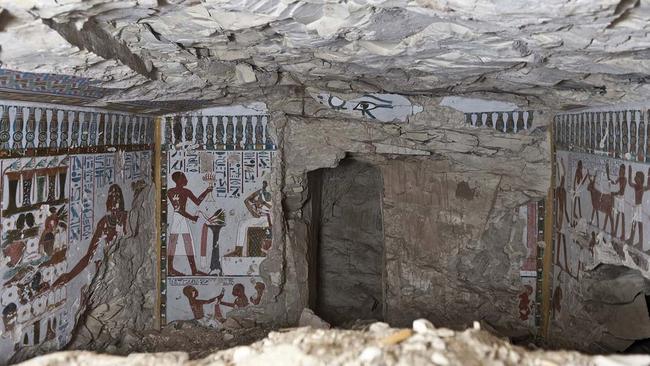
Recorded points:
(379, 107)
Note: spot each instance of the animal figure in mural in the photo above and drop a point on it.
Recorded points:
(178, 197)
(619, 198)
(639, 190)
(109, 228)
(600, 202)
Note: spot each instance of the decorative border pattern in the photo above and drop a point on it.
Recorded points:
(617, 134)
(73, 90)
(505, 121)
(41, 131)
(163, 224)
(51, 84)
(218, 132)
(541, 214)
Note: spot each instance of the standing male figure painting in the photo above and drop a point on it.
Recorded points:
(561, 202)
(178, 197)
(639, 190)
(619, 199)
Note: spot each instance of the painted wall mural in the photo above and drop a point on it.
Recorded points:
(65, 200)
(529, 298)
(379, 107)
(601, 205)
(217, 214)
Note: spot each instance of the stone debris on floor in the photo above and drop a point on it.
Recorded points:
(376, 344)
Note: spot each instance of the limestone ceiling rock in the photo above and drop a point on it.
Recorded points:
(555, 53)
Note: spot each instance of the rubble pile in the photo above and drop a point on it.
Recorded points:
(377, 344)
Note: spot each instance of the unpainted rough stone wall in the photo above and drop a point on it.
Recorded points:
(451, 194)
(351, 243)
(451, 255)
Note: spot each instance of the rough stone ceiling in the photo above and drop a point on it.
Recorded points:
(555, 53)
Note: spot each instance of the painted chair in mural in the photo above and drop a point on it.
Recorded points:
(254, 234)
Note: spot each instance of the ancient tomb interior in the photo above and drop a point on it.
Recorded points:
(324, 182)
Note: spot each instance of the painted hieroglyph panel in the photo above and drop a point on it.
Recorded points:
(217, 216)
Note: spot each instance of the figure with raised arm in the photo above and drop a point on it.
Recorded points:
(178, 197)
(639, 190)
(619, 199)
(578, 186)
(109, 227)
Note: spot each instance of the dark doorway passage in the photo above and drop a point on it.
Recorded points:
(351, 245)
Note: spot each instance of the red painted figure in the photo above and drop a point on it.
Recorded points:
(639, 190)
(109, 227)
(577, 188)
(524, 302)
(196, 304)
(178, 197)
(619, 199)
(560, 196)
(259, 287)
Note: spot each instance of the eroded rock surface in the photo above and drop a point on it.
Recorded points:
(563, 52)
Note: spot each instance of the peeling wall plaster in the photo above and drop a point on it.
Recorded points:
(582, 52)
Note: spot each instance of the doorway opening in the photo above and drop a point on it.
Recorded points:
(348, 242)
